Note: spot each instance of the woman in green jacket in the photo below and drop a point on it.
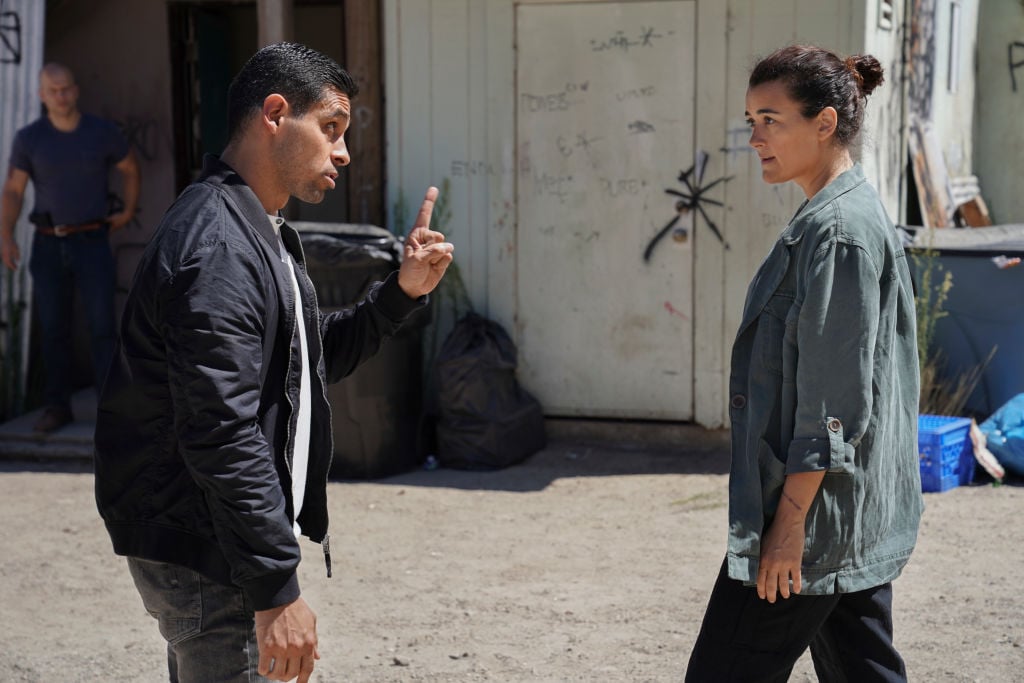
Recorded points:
(824, 490)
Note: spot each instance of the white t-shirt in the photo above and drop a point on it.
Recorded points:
(300, 456)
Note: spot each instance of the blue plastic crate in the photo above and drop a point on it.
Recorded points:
(946, 454)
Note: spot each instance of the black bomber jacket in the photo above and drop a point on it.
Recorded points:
(196, 421)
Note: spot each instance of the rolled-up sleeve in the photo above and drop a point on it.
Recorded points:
(836, 331)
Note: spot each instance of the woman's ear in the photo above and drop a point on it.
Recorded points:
(828, 119)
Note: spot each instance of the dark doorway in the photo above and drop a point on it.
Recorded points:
(210, 42)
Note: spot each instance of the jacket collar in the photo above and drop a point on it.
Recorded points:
(772, 271)
(217, 172)
(846, 181)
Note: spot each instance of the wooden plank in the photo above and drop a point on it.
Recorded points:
(930, 176)
(365, 135)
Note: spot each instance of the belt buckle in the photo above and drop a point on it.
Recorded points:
(61, 230)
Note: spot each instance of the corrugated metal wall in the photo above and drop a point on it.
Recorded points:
(22, 24)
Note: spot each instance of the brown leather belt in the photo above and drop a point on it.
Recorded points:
(65, 230)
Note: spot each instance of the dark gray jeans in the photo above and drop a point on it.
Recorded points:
(58, 266)
(209, 627)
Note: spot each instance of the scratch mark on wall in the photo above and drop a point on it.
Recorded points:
(674, 311)
(620, 41)
(640, 127)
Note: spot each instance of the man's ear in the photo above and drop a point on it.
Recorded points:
(275, 107)
(828, 119)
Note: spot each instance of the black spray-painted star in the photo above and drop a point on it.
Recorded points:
(691, 200)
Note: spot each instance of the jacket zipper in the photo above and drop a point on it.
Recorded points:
(326, 543)
(288, 445)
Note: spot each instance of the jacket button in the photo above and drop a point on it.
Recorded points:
(739, 401)
(834, 425)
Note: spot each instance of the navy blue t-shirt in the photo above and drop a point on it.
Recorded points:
(69, 170)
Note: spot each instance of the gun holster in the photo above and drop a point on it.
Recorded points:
(41, 219)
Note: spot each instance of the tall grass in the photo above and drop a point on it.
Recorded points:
(942, 393)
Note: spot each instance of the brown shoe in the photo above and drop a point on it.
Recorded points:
(53, 418)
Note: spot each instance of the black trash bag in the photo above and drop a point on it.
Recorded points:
(486, 420)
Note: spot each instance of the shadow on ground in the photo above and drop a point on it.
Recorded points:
(64, 466)
(576, 448)
(580, 449)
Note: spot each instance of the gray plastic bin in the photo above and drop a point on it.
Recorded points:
(985, 307)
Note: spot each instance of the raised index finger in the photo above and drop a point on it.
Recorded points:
(426, 209)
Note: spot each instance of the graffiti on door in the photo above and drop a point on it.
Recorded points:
(693, 198)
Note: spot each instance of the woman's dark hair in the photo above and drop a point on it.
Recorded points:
(298, 73)
(818, 78)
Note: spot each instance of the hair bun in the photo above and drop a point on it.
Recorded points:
(866, 71)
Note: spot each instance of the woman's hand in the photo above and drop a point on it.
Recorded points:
(782, 550)
(782, 546)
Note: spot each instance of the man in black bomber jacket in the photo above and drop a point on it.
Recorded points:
(213, 437)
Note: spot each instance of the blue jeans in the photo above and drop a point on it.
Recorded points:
(58, 264)
(209, 627)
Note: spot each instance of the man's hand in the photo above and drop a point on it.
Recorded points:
(10, 253)
(129, 169)
(287, 642)
(427, 255)
(116, 221)
(10, 209)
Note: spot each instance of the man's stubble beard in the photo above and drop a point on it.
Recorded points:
(286, 164)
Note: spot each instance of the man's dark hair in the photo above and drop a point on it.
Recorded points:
(298, 73)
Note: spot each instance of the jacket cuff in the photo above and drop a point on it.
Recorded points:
(272, 590)
(393, 302)
(814, 454)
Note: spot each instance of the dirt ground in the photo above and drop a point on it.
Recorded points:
(582, 564)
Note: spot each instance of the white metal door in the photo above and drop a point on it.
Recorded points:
(604, 126)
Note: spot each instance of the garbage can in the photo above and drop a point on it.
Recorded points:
(984, 310)
(375, 410)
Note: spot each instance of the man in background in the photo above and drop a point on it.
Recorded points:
(68, 156)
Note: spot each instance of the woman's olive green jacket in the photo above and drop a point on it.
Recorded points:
(825, 377)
